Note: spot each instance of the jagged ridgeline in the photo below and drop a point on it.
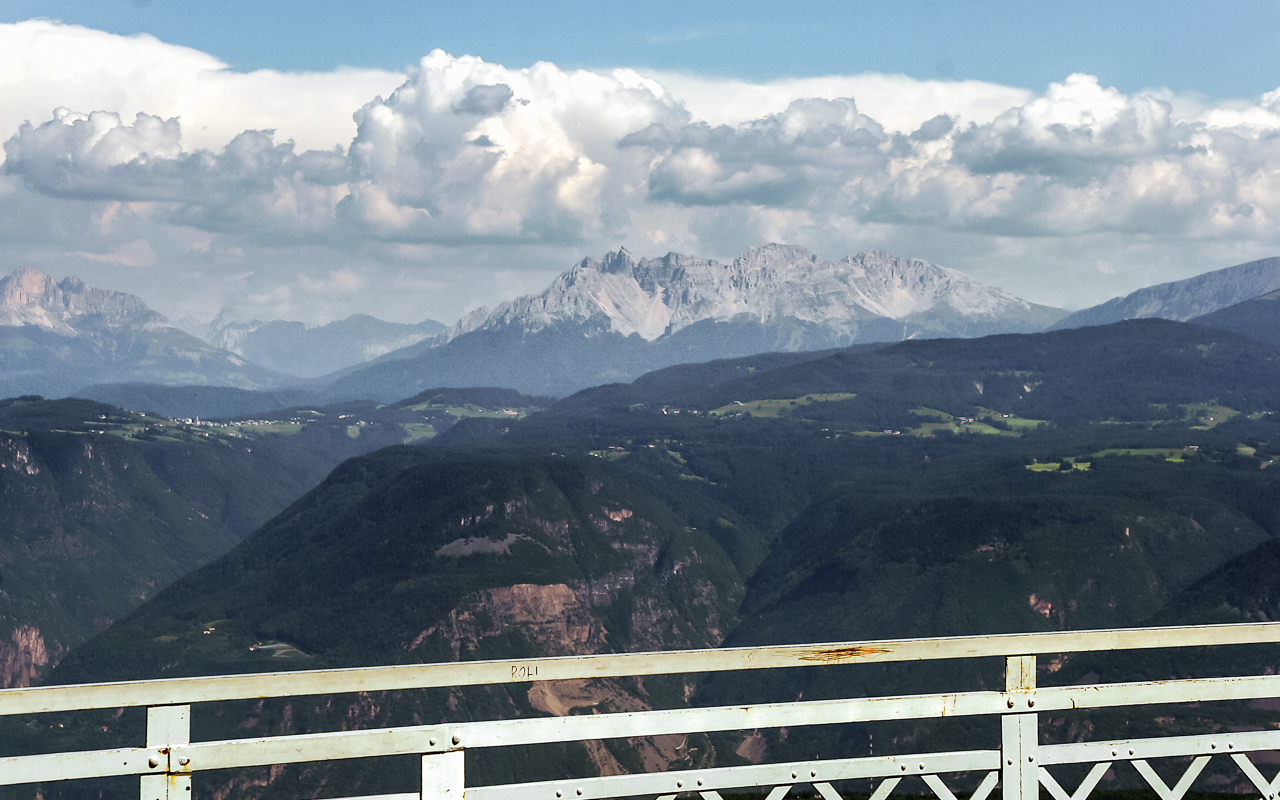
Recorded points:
(1025, 482)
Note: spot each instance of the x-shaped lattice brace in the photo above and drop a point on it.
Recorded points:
(828, 792)
(1269, 790)
(1149, 775)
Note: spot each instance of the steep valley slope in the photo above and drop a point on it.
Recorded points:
(1020, 482)
(101, 507)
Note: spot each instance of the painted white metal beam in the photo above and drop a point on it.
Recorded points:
(179, 691)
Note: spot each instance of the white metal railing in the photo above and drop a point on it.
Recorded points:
(168, 758)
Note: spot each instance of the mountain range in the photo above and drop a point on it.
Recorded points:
(606, 319)
(310, 351)
(1185, 299)
(58, 336)
(613, 318)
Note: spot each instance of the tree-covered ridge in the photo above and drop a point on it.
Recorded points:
(630, 517)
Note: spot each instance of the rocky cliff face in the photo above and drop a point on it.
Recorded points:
(658, 297)
(56, 337)
(29, 297)
(439, 559)
(1186, 299)
(613, 318)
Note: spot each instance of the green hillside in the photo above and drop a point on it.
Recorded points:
(812, 520)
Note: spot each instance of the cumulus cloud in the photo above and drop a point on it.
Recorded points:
(467, 153)
(46, 64)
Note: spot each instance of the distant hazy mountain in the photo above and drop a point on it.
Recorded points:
(56, 337)
(309, 351)
(1259, 318)
(1186, 299)
(614, 318)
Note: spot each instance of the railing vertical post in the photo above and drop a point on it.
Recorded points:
(442, 776)
(167, 726)
(1020, 774)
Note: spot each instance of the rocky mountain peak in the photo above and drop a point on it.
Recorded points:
(767, 283)
(30, 297)
(1185, 299)
(775, 256)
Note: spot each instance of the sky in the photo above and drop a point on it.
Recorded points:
(417, 160)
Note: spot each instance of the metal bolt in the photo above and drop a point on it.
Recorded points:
(579, 792)
(432, 742)
(151, 762)
(1010, 762)
(1115, 752)
(1130, 751)
(1031, 702)
(184, 761)
(904, 767)
(1010, 702)
(1030, 759)
(699, 781)
(457, 740)
(1213, 745)
(1231, 745)
(795, 774)
(679, 784)
(559, 793)
(813, 773)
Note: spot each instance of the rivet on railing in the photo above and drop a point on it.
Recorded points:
(184, 761)
(1010, 702)
(904, 767)
(1031, 702)
(699, 781)
(1213, 745)
(457, 740)
(432, 743)
(1130, 751)
(1115, 752)
(559, 793)
(1231, 745)
(813, 773)
(1010, 762)
(151, 762)
(795, 774)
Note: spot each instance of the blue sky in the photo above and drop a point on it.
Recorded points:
(1221, 49)
(410, 160)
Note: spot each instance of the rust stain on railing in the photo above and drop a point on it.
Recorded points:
(841, 655)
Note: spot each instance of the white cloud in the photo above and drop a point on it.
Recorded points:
(46, 64)
(899, 103)
(468, 164)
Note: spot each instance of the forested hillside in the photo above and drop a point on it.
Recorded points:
(1094, 477)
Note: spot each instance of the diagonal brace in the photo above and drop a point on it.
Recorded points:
(1184, 783)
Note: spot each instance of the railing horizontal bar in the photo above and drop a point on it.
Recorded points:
(738, 777)
(1165, 747)
(181, 691)
(87, 764)
(501, 733)
(538, 730)
(1187, 690)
